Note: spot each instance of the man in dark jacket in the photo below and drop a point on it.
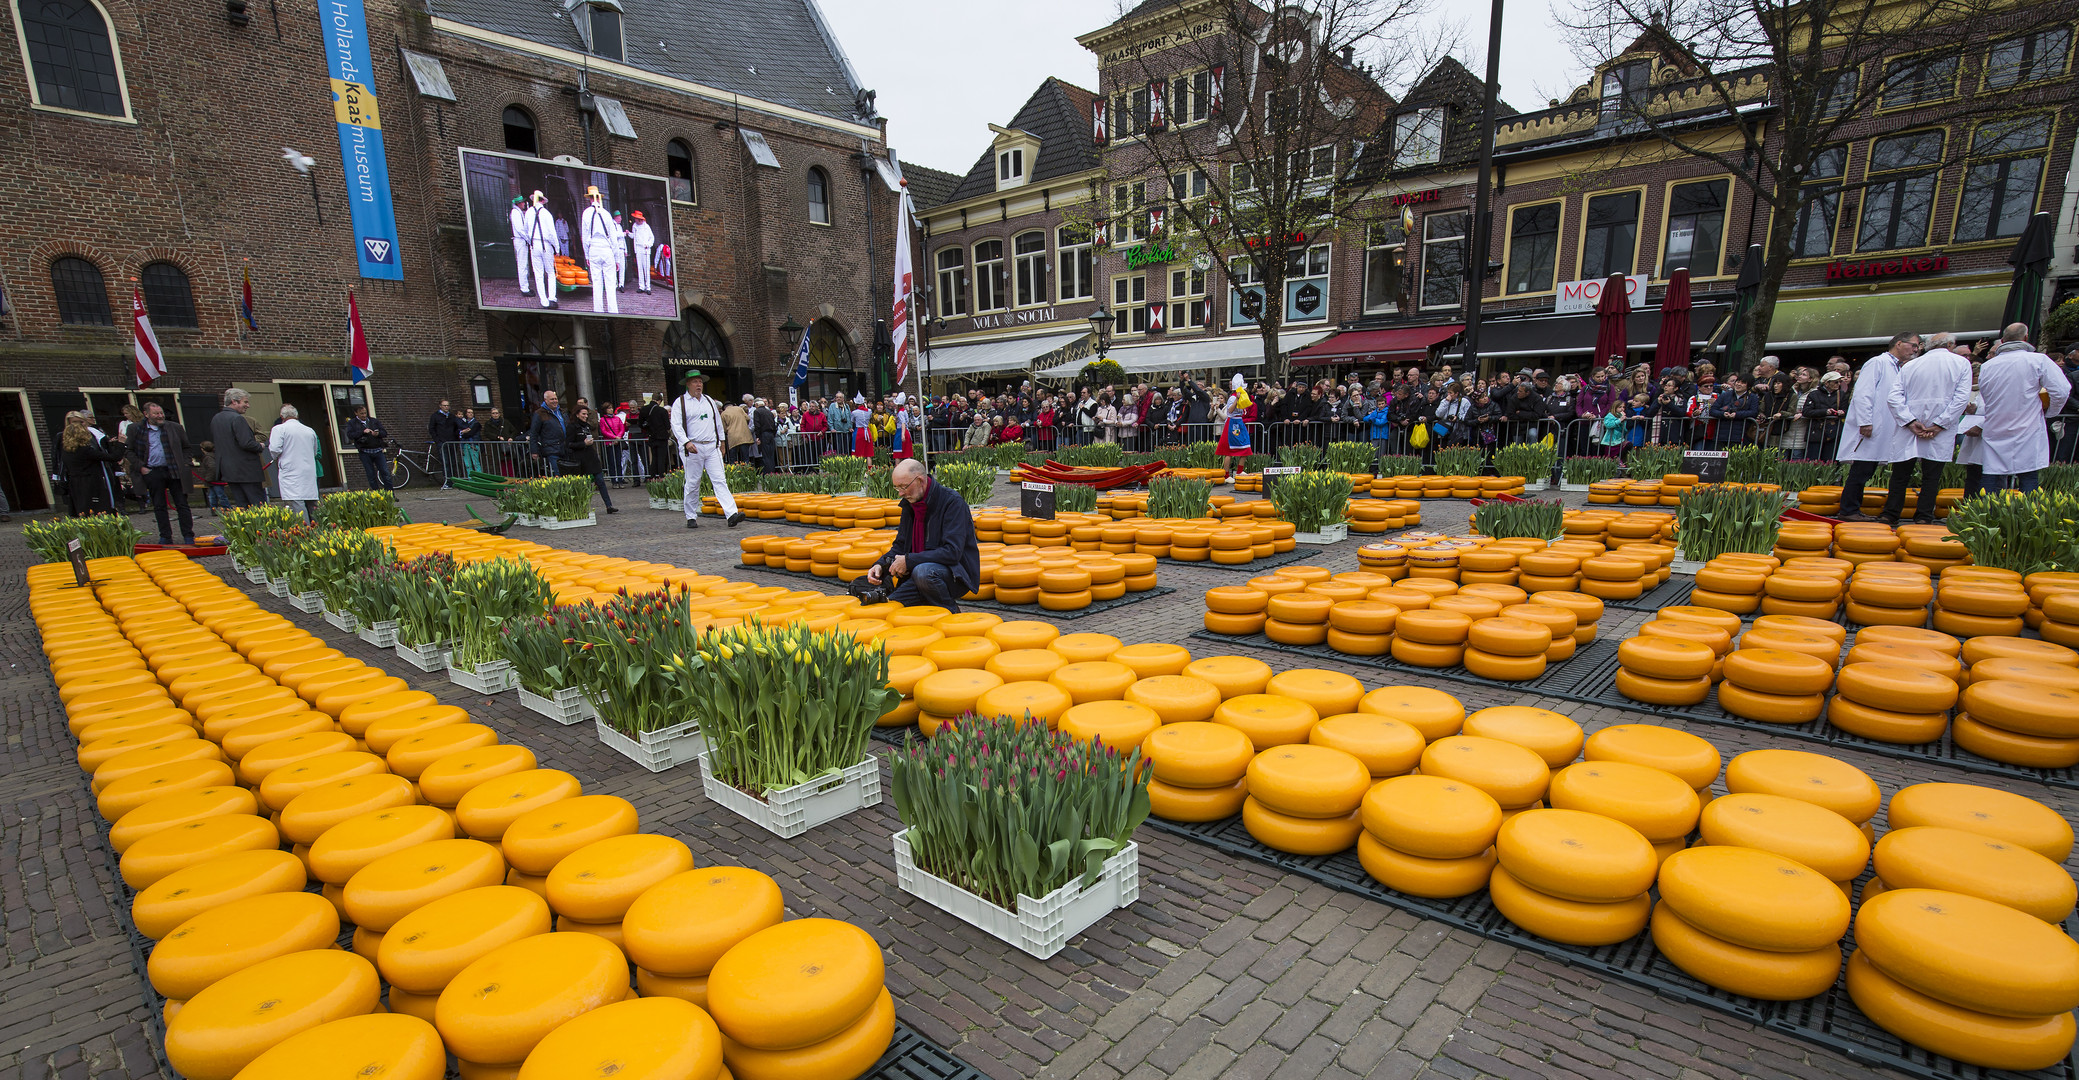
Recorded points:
(442, 428)
(935, 553)
(158, 452)
(238, 451)
(367, 435)
(656, 427)
(765, 427)
(548, 435)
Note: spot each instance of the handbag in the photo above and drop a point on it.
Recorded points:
(1419, 437)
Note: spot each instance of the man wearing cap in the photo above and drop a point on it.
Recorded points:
(523, 254)
(538, 225)
(596, 230)
(645, 240)
(696, 425)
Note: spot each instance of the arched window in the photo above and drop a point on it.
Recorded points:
(694, 340)
(72, 56)
(819, 196)
(82, 293)
(167, 297)
(678, 167)
(519, 131)
(830, 362)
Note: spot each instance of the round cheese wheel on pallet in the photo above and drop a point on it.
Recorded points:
(795, 984)
(1569, 922)
(955, 692)
(1811, 835)
(1151, 659)
(1040, 702)
(1934, 857)
(239, 1017)
(1576, 855)
(152, 858)
(1691, 759)
(425, 950)
(1431, 817)
(1176, 698)
(1963, 625)
(174, 811)
(539, 839)
(488, 809)
(1268, 719)
(1970, 952)
(1985, 648)
(1778, 672)
(1884, 725)
(1232, 675)
(1308, 781)
(393, 1045)
(1654, 691)
(1513, 775)
(640, 1037)
(1555, 738)
(1715, 638)
(1666, 657)
(235, 936)
(1121, 725)
(683, 925)
(1999, 744)
(444, 782)
(1299, 835)
(1756, 973)
(1236, 625)
(1439, 879)
(503, 1004)
(1769, 708)
(395, 885)
(1754, 898)
(1432, 712)
(1813, 778)
(1193, 804)
(1894, 652)
(1992, 812)
(1093, 680)
(1430, 626)
(1896, 688)
(2019, 669)
(1969, 1036)
(162, 907)
(1386, 746)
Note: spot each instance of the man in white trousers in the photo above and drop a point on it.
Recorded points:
(540, 230)
(600, 236)
(645, 240)
(2014, 384)
(696, 425)
(1929, 398)
(523, 253)
(1870, 432)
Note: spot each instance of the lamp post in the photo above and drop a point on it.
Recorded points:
(1101, 325)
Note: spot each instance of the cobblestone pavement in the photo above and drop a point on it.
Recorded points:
(1224, 968)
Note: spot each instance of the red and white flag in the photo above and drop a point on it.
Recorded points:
(899, 320)
(150, 362)
(359, 365)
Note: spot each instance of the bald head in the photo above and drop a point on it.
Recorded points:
(907, 471)
(2015, 332)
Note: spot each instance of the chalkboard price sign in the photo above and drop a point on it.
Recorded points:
(1036, 501)
(1708, 465)
(1274, 474)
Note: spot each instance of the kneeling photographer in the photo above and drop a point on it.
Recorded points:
(935, 555)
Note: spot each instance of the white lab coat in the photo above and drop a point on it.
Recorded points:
(1868, 407)
(602, 258)
(1933, 389)
(295, 450)
(645, 240)
(523, 255)
(1970, 449)
(539, 227)
(620, 254)
(699, 421)
(2011, 384)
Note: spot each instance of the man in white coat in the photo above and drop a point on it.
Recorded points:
(596, 229)
(620, 253)
(538, 225)
(523, 254)
(696, 426)
(2012, 384)
(645, 240)
(295, 450)
(1869, 433)
(1929, 398)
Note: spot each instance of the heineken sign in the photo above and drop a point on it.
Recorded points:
(1149, 255)
(1847, 270)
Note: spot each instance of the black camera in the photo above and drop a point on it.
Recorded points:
(868, 592)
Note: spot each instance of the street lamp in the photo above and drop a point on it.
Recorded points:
(1101, 325)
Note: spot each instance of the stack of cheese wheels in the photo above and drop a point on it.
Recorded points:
(1430, 637)
(1750, 921)
(1821, 499)
(1607, 491)
(1647, 493)
(235, 1019)
(1514, 776)
(1560, 622)
(1775, 686)
(1554, 738)
(904, 672)
(677, 929)
(1370, 516)
(1488, 565)
(1618, 576)
(1974, 600)
(1667, 669)
(1889, 594)
(1966, 977)
(1865, 542)
(374, 1044)
(428, 947)
(1932, 546)
(1390, 560)
(1548, 571)
(1429, 835)
(1199, 771)
(1809, 589)
(2060, 618)
(2002, 815)
(496, 1009)
(1939, 857)
(1892, 702)
(804, 998)
(1362, 627)
(649, 1036)
(1297, 616)
(1813, 778)
(1303, 798)
(1572, 876)
(1506, 649)
(1588, 610)
(1733, 583)
(1810, 835)
(234, 936)
(2022, 704)
(943, 696)
(1803, 539)
(540, 840)
(1661, 806)
(1687, 756)
(1067, 588)
(2042, 585)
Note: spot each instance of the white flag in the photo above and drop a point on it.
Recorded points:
(899, 320)
(146, 359)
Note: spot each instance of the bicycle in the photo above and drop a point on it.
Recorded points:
(396, 471)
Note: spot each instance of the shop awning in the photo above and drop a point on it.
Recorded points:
(1393, 345)
(1574, 335)
(1840, 322)
(987, 357)
(1230, 350)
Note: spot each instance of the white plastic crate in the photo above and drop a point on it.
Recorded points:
(1684, 565)
(791, 811)
(567, 707)
(666, 504)
(382, 635)
(1040, 927)
(551, 525)
(1329, 534)
(657, 750)
(237, 564)
(432, 657)
(342, 620)
(311, 602)
(490, 677)
(256, 575)
(277, 586)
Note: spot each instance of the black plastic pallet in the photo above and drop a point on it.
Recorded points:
(1830, 1019)
(1099, 607)
(913, 1057)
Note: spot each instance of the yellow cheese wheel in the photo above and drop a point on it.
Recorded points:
(1654, 691)
(244, 1014)
(1309, 781)
(1668, 658)
(1299, 835)
(1386, 746)
(1428, 626)
(505, 1002)
(954, 692)
(2022, 669)
(1236, 600)
(1896, 688)
(1268, 719)
(1363, 617)
(394, 885)
(1418, 876)
(1576, 855)
(1934, 857)
(392, 1045)
(961, 625)
(1434, 713)
(1754, 898)
(184, 894)
(176, 810)
(960, 652)
(1656, 803)
(1513, 775)
(383, 733)
(1715, 637)
(1769, 708)
(1778, 671)
(648, 1037)
(1150, 660)
(1963, 625)
(284, 785)
(909, 640)
(1910, 635)
(796, 983)
(680, 927)
(1982, 600)
(1808, 834)
(1999, 744)
(1121, 725)
(1093, 680)
(1553, 737)
(1176, 698)
(2003, 815)
(153, 857)
(1328, 692)
(355, 718)
(234, 936)
(1970, 952)
(1813, 778)
(1421, 654)
(850, 1052)
(1969, 1036)
(1018, 665)
(1883, 725)
(257, 763)
(160, 739)
(904, 671)
(1041, 702)
(539, 839)
(1985, 648)
(1570, 922)
(1235, 625)
(1199, 755)
(1755, 973)
(1192, 804)
(1232, 675)
(1692, 759)
(1502, 636)
(1299, 607)
(423, 951)
(137, 789)
(487, 809)
(651, 984)
(597, 882)
(1894, 652)
(1431, 817)
(1023, 634)
(444, 782)
(1801, 625)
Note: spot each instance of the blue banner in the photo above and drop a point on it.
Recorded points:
(801, 368)
(361, 139)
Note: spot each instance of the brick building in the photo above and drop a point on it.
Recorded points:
(154, 136)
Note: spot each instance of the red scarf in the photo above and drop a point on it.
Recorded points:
(918, 511)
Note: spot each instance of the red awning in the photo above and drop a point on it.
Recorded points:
(1388, 346)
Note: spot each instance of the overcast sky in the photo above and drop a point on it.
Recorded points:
(947, 69)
